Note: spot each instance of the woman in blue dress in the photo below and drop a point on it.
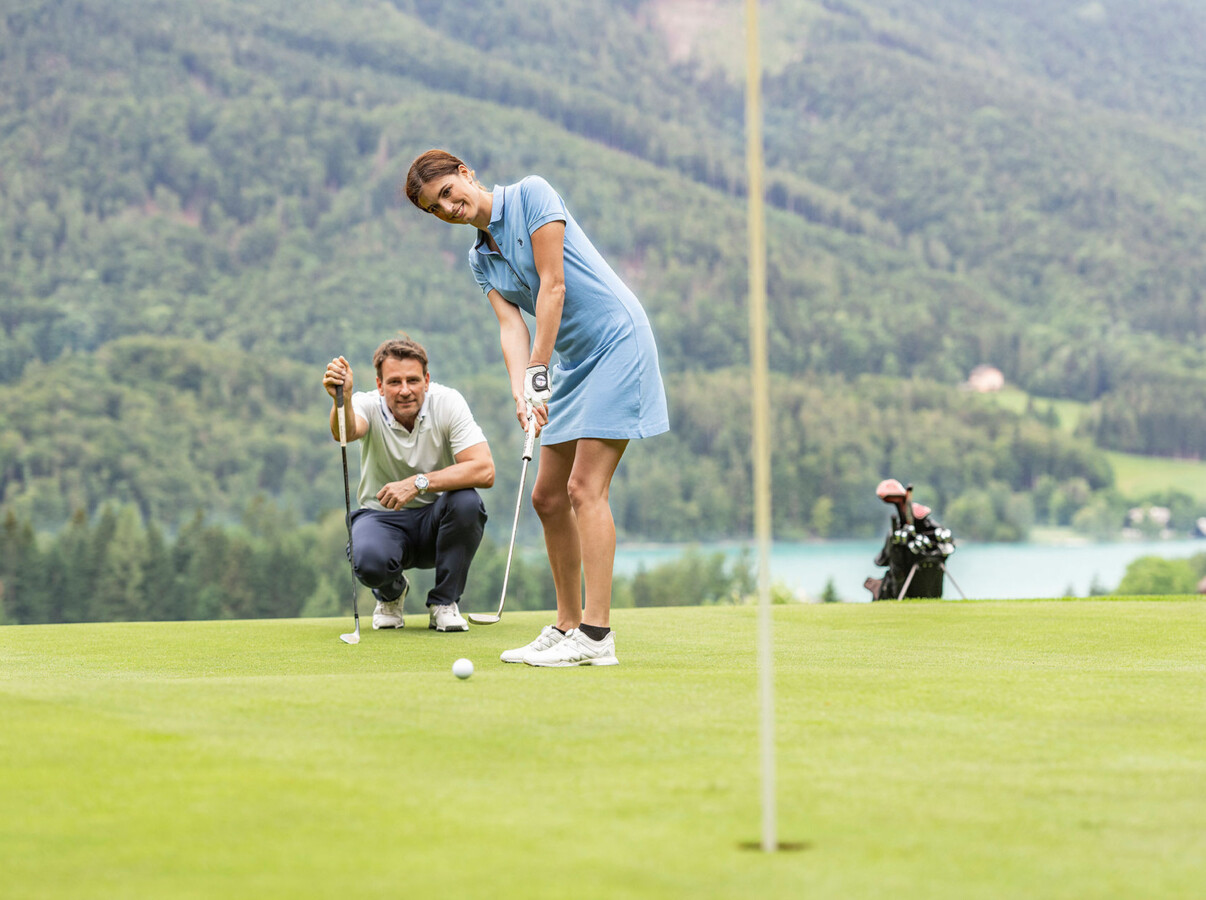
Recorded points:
(605, 390)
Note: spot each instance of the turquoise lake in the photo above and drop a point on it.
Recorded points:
(983, 571)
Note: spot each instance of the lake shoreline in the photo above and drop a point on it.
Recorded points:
(983, 570)
(1071, 539)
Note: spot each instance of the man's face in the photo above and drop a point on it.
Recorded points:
(403, 384)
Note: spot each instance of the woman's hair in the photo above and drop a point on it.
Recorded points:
(428, 167)
(399, 348)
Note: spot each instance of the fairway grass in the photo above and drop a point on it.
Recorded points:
(1043, 749)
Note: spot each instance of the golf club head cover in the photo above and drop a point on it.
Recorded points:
(537, 388)
(890, 490)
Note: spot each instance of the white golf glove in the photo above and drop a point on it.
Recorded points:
(537, 387)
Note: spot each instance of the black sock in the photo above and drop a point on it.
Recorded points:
(558, 630)
(594, 632)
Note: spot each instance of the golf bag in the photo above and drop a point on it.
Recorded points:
(915, 551)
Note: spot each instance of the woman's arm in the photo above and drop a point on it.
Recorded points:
(548, 251)
(514, 337)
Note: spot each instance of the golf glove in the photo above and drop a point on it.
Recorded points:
(537, 388)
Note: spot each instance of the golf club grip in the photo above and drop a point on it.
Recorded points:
(529, 442)
(343, 426)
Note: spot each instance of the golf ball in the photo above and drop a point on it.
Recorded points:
(462, 668)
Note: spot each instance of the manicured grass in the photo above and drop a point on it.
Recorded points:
(940, 750)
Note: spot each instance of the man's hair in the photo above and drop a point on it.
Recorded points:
(428, 167)
(399, 348)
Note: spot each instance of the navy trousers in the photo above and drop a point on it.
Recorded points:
(443, 536)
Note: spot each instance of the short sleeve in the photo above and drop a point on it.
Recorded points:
(365, 404)
(479, 274)
(541, 204)
(461, 428)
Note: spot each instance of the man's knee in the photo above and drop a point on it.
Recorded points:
(465, 507)
(375, 564)
(377, 558)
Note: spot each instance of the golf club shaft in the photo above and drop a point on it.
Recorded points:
(514, 527)
(347, 497)
(528, 445)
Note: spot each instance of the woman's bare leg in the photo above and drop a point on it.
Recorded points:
(589, 486)
(571, 498)
(550, 497)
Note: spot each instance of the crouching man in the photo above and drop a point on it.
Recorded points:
(422, 458)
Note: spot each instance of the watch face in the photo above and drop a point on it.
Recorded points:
(421, 483)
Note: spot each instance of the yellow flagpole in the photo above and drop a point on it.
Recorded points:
(761, 418)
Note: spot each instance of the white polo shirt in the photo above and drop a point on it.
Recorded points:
(389, 452)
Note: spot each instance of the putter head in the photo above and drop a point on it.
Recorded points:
(483, 618)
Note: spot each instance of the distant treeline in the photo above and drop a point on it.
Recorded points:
(114, 568)
(1155, 576)
(172, 426)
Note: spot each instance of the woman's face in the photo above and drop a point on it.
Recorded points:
(453, 198)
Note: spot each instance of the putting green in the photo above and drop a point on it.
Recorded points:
(937, 750)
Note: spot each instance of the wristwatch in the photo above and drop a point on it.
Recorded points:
(421, 483)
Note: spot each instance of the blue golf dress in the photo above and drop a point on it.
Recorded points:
(606, 383)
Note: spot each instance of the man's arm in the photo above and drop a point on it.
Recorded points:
(340, 373)
(474, 468)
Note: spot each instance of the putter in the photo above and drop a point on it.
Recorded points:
(352, 637)
(528, 444)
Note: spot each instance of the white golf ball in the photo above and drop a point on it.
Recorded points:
(462, 668)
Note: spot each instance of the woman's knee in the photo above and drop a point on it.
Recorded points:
(550, 503)
(583, 493)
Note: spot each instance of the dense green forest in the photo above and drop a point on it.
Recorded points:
(198, 208)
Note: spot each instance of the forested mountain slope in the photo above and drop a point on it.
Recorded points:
(198, 208)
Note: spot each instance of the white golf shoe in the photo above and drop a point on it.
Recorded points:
(576, 649)
(547, 638)
(447, 617)
(388, 614)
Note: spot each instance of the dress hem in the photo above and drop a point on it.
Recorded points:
(609, 436)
